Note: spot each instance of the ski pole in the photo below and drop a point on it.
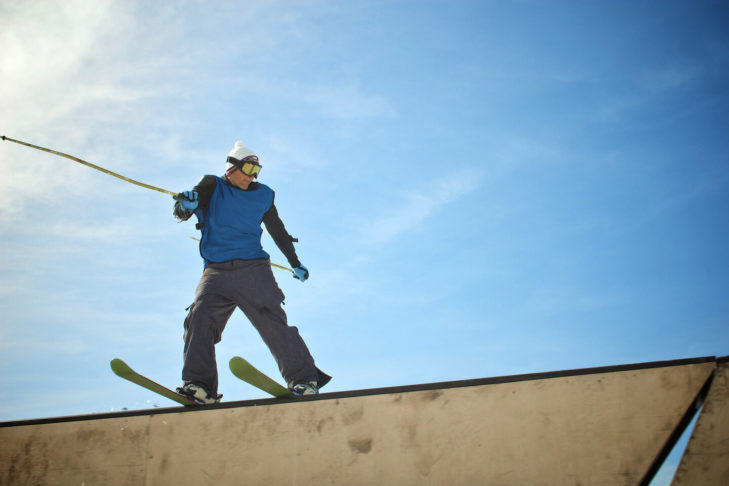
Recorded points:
(93, 166)
(270, 263)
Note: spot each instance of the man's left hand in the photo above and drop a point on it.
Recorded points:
(301, 273)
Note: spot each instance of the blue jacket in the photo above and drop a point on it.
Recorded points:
(230, 220)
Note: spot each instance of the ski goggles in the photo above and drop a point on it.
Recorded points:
(251, 169)
(248, 167)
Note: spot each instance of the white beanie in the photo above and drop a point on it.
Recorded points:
(240, 152)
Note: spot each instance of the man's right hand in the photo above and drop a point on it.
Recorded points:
(187, 199)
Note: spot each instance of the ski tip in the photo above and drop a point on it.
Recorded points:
(118, 365)
(238, 363)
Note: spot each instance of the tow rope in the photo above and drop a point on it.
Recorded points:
(93, 166)
(106, 171)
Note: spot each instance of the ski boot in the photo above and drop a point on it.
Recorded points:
(308, 388)
(198, 393)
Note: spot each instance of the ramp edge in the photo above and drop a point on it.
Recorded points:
(370, 391)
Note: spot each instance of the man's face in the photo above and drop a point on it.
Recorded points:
(240, 180)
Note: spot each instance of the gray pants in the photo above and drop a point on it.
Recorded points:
(250, 286)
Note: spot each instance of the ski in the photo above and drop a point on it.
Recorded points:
(123, 370)
(247, 372)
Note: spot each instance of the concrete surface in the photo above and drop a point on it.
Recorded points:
(706, 458)
(587, 427)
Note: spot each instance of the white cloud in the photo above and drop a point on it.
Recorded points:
(62, 58)
(70, 71)
(90, 79)
(649, 86)
(290, 151)
(555, 298)
(347, 102)
(415, 207)
(336, 100)
(669, 78)
(516, 151)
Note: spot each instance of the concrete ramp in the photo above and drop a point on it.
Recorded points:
(706, 459)
(600, 426)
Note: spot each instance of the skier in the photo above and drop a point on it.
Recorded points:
(237, 273)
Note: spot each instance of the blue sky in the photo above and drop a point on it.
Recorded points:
(479, 188)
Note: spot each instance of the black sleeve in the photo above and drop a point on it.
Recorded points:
(281, 237)
(204, 188)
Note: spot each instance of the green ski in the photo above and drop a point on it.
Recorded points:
(122, 369)
(248, 373)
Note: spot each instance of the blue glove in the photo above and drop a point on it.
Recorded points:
(301, 273)
(188, 200)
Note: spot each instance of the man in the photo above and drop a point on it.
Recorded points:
(237, 273)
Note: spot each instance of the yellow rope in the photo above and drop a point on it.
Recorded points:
(93, 166)
(118, 176)
(281, 267)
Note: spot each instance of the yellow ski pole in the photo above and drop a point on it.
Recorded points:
(271, 263)
(93, 166)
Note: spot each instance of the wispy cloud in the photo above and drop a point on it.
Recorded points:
(112, 64)
(668, 78)
(343, 100)
(555, 298)
(414, 207)
(646, 87)
(347, 102)
(72, 73)
(90, 53)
